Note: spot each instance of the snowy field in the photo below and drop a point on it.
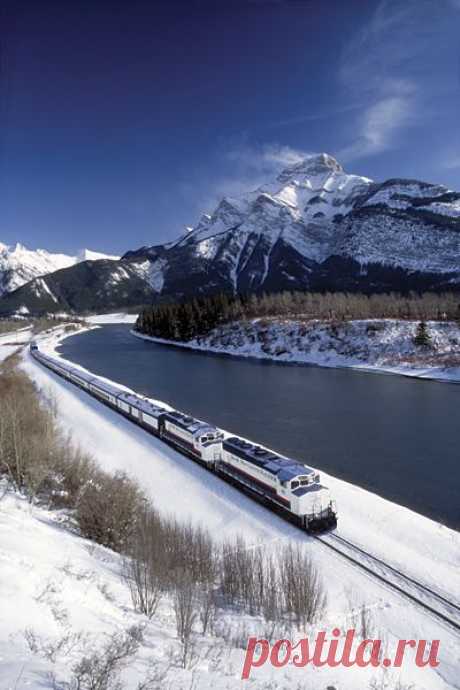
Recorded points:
(10, 342)
(58, 584)
(370, 345)
(111, 318)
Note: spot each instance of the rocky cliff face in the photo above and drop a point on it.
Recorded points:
(314, 227)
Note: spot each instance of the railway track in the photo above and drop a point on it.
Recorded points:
(433, 602)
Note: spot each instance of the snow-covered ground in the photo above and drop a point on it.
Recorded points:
(66, 596)
(12, 341)
(384, 345)
(57, 584)
(111, 318)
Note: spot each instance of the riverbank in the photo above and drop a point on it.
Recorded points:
(375, 345)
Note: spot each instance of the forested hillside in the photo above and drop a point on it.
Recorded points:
(186, 320)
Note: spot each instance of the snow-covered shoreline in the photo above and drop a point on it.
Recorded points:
(371, 346)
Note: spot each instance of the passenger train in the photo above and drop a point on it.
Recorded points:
(285, 485)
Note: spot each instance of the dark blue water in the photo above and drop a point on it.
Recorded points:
(395, 436)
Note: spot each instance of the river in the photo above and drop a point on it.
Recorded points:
(395, 436)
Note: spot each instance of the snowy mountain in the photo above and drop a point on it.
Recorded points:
(18, 264)
(314, 227)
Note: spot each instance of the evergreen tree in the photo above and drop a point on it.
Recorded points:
(422, 337)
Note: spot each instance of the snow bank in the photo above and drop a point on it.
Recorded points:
(385, 346)
(111, 318)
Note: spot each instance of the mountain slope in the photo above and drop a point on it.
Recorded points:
(18, 264)
(314, 227)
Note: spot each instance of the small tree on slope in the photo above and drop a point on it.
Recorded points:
(422, 337)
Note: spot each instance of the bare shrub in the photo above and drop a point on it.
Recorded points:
(208, 607)
(237, 574)
(156, 677)
(101, 670)
(34, 454)
(270, 601)
(288, 585)
(50, 648)
(188, 548)
(301, 585)
(107, 509)
(74, 470)
(186, 607)
(24, 431)
(143, 567)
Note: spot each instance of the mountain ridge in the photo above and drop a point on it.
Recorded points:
(19, 265)
(314, 227)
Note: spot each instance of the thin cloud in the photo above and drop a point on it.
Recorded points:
(452, 162)
(313, 116)
(380, 66)
(379, 125)
(267, 158)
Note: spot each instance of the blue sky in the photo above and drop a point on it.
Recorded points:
(120, 122)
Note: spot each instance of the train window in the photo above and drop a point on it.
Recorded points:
(294, 485)
(304, 482)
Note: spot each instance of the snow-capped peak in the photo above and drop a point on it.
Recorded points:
(89, 255)
(18, 264)
(318, 164)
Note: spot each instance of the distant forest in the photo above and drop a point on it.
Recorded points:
(187, 320)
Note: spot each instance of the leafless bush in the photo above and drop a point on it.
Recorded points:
(188, 548)
(156, 677)
(107, 509)
(34, 454)
(288, 585)
(186, 607)
(143, 566)
(74, 471)
(208, 607)
(301, 586)
(50, 648)
(271, 603)
(48, 590)
(101, 670)
(238, 573)
(26, 439)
